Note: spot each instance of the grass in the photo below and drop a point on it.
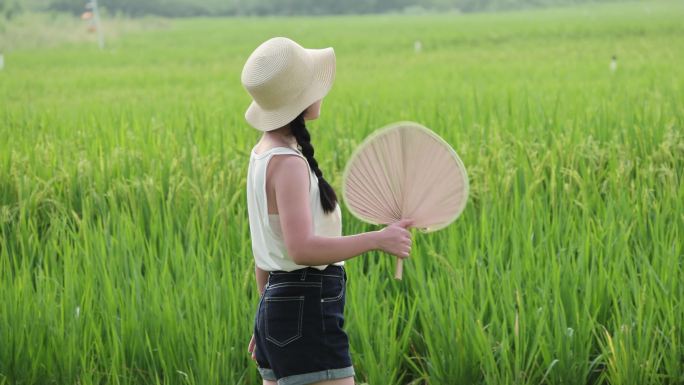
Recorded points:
(125, 254)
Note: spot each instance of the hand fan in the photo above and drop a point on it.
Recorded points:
(405, 171)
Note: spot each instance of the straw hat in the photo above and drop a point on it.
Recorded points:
(284, 79)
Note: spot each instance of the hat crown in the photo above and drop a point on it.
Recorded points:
(277, 72)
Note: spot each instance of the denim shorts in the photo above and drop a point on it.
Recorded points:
(298, 327)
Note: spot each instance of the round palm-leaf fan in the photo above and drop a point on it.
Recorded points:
(405, 171)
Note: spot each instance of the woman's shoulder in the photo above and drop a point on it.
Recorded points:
(280, 155)
(290, 167)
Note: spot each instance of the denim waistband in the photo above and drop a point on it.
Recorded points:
(306, 274)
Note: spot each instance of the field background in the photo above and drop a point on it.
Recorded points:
(125, 255)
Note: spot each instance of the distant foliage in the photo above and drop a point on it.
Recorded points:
(9, 8)
(184, 8)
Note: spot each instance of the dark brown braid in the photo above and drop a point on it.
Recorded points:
(327, 194)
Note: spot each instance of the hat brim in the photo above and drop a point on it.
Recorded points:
(323, 61)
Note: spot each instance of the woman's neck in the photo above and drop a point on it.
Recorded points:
(281, 136)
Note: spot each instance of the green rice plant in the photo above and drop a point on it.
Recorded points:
(125, 250)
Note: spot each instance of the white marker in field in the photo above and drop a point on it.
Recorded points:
(417, 46)
(613, 64)
(2, 62)
(96, 18)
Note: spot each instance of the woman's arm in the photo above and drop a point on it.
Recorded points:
(291, 183)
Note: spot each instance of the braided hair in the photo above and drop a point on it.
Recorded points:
(327, 194)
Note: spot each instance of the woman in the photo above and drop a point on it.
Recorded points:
(295, 223)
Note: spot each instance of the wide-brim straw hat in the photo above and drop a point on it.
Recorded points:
(284, 79)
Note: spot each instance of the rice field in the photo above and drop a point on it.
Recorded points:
(125, 255)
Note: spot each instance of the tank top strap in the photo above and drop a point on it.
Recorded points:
(286, 150)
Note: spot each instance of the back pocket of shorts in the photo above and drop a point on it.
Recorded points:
(283, 316)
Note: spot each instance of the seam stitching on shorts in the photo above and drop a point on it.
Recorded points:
(337, 297)
(290, 284)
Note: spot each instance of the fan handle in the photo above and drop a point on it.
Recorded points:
(399, 269)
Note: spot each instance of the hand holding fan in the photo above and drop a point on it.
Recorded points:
(405, 171)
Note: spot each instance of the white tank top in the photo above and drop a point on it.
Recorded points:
(268, 246)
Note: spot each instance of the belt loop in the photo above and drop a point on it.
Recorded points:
(304, 273)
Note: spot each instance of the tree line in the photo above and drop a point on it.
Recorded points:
(186, 8)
